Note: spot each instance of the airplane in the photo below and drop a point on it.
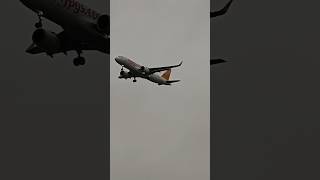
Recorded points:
(215, 14)
(136, 70)
(83, 29)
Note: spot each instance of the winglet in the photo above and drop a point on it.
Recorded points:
(166, 74)
(222, 11)
(176, 65)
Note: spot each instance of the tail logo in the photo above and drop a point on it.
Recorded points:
(166, 75)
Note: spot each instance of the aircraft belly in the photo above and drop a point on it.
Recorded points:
(77, 27)
(155, 78)
(62, 17)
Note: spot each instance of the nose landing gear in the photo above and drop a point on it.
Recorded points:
(79, 60)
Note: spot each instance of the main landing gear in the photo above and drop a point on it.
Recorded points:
(79, 60)
(134, 79)
(39, 23)
(121, 72)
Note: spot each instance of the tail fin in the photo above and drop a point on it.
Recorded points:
(166, 75)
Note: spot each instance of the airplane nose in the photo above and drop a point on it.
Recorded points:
(118, 59)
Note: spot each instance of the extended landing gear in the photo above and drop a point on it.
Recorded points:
(39, 24)
(79, 60)
(134, 79)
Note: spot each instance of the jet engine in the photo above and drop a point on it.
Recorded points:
(46, 40)
(145, 70)
(125, 75)
(103, 24)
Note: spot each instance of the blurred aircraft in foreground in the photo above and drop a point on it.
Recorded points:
(221, 11)
(215, 14)
(83, 28)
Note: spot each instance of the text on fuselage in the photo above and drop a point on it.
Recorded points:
(78, 8)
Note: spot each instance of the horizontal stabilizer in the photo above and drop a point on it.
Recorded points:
(217, 61)
(173, 81)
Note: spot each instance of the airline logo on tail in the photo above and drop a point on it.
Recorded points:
(166, 74)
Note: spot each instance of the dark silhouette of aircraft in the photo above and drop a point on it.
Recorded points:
(222, 11)
(83, 29)
(217, 61)
(215, 14)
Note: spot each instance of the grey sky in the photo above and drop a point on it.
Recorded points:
(161, 132)
(266, 100)
(53, 115)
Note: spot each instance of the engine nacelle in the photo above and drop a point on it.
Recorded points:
(103, 24)
(46, 40)
(125, 75)
(144, 70)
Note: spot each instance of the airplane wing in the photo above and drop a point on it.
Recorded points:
(68, 45)
(222, 11)
(159, 69)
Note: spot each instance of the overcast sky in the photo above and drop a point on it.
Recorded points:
(161, 132)
(266, 100)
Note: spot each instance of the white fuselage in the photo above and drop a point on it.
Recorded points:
(74, 17)
(157, 79)
(135, 69)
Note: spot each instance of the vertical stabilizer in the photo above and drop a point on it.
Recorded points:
(166, 75)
